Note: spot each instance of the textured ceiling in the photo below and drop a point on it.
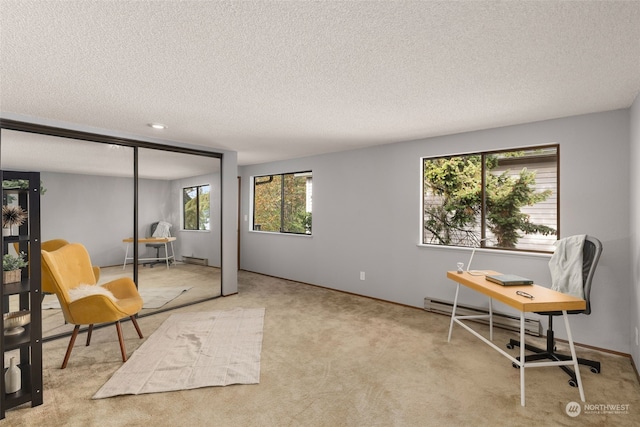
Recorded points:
(279, 80)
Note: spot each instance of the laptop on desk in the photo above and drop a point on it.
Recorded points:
(508, 279)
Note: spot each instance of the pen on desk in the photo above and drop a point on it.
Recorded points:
(524, 294)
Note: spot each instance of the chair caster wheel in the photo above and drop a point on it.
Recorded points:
(510, 346)
(572, 383)
(595, 370)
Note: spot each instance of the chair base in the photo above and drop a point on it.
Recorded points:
(549, 353)
(76, 329)
(158, 260)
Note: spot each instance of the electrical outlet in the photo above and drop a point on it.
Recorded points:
(362, 277)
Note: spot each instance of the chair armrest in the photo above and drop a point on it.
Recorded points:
(95, 309)
(122, 288)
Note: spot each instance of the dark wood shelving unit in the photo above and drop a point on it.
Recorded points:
(27, 293)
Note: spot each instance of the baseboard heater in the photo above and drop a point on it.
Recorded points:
(500, 320)
(195, 260)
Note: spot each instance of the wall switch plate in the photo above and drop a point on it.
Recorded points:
(362, 275)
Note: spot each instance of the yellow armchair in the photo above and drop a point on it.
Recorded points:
(52, 245)
(69, 267)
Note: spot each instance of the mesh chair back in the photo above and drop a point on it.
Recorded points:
(590, 256)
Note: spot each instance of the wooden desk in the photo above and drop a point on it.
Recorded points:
(156, 240)
(544, 299)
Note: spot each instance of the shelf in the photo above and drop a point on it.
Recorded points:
(23, 395)
(12, 342)
(17, 287)
(28, 343)
(20, 238)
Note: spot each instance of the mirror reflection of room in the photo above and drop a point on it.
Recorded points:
(178, 228)
(88, 198)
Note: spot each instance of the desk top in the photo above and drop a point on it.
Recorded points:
(544, 299)
(150, 240)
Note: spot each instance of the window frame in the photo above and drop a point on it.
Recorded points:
(198, 204)
(308, 202)
(481, 243)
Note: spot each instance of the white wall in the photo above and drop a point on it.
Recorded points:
(634, 300)
(367, 218)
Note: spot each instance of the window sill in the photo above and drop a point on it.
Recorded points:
(276, 233)
(521, 253)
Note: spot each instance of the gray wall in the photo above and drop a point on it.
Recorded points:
(634, 300)
(93, 210)
(366, 217)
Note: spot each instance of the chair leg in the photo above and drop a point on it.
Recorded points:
(121, 340)
(135, 324)
(89, 334)
(70, 346)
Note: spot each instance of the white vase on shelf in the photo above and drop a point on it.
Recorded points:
(12, 378)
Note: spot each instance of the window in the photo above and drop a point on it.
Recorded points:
(196, 207)
(282, 203)
(501, 199)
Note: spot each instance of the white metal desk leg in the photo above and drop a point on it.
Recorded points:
(166, 254)
(576, 365)
(522, 358)
(453, 312)
(490, 319)
(126, 255)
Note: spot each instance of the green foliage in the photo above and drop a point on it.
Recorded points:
(266, 204)
(456, 184)
(14, 262)
(272, 212)
(22, 184)
(196, 217)
(505, 196)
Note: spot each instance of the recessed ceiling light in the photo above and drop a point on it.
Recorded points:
(158, 126)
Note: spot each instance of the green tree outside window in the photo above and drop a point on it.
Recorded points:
(490, 195)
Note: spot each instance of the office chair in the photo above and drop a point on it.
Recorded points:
(156, 246)
(590, 255)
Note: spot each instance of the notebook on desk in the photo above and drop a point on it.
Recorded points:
(508, 279)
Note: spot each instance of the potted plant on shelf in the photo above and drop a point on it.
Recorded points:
(11, 265)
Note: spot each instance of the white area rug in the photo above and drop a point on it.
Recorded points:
(152, 297)
(193, 350)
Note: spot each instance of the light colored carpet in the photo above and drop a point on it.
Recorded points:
(152, 297)
(194, 350)
(331, 359)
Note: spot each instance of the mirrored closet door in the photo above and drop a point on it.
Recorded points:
(89, 192)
